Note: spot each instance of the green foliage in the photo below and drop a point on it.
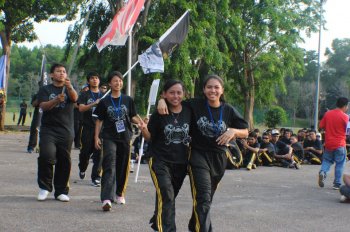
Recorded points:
(26, 66)
(275, 116)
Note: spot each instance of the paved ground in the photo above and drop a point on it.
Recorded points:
(266, 199)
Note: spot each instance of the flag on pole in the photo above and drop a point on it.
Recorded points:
(152, 59)
(117, 31)
(3, 72)
(43, 73)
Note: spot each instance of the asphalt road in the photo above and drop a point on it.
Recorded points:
(265, 199)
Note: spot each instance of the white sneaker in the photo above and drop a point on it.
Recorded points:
(106, 205)
(42, 195)
(121, 200)
(63, 198)
(344, 199)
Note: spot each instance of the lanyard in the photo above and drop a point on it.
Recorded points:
(117, 110)
(217, 130)
(93, 96)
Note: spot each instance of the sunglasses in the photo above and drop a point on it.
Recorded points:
(265, 138)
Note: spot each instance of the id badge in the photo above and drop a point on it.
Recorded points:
(120, 126)
(93, 110)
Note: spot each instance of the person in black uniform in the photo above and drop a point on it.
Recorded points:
(87, 102)
(313, 149)
(33, 136)
(251, 149)
(22, 113)
(169, 136)
(214, 124)
(283, 152)
(115, 112)
(298, 149)
(56, 134)
(266, 154)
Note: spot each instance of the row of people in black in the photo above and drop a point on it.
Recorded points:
(276, 149)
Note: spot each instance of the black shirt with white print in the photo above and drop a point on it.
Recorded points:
(170, 136)
(59, 120)
(112, 115)
(87, 98)
(205, 131)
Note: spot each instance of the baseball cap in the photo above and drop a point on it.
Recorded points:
(275, 132)
(84, 86)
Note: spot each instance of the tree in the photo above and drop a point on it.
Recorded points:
(262, 38)
(275, 116)
(18, 18)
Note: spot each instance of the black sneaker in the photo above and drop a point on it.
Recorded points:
(336, 186)
(296, 165)
(95, 183)
(82, 175)
(321, 179)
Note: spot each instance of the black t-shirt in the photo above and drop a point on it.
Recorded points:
(315, 144)
(255, 145)
(281, 148)
(298, 149)
(87, 98)
(205, 131)
(112, 114)
(269, 146)
(285, 140)
(170, 136)
(23, 107)
(59, 120)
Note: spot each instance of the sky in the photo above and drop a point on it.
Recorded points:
(337, 15)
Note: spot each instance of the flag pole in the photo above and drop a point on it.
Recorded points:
(132, 67)
(128, 90)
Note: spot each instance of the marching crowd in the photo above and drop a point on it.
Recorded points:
(193, 137)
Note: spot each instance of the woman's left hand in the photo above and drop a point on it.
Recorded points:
(226, 137)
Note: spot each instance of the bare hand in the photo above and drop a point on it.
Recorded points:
(97, 101)
(98, 143)
(68, 84)
(60, 97)
(226, 137)
(162, 107)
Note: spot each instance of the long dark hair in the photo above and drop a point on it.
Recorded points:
(171, 82)
(215, 77)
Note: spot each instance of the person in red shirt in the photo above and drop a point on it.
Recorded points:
(334, 123)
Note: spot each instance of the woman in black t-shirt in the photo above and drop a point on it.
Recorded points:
(214, 124)
(169, 136)
(116, 112)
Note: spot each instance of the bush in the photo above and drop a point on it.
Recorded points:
(274, 116)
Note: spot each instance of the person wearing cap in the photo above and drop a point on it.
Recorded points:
(334, 122)
(87, 102)
(312, 148)
(283, 152)
(115, 113)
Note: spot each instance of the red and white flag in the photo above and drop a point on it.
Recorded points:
(118, 30)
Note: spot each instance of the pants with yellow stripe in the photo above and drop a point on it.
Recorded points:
(167, 179)
(88, 150)
(313, 158)
(115, 166)
(206, 169)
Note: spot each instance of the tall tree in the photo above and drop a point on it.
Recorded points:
(18, 18)
(263, 38)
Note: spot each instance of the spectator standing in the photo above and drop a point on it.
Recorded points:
(334, 122)
(22, 113)
(33, 136)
